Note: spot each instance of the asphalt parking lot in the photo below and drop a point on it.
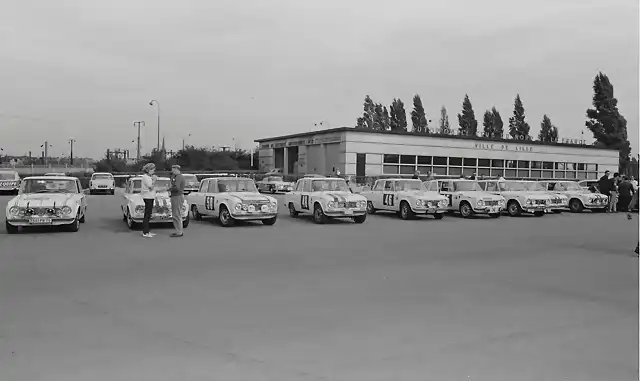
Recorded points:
(550, 298)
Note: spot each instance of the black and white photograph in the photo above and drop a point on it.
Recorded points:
(297, 190)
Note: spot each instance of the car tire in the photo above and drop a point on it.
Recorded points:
(82, 219)
(11, 229)
(318, 215)
(292, 210)
(130, 223)
(406, 213)
(575, 205)
(514, 209)
(270, 221)
(360, 219)
(465, 209)
(225, 217)
(185, 222)
(438, 216)
(196, 214)
(370, 208)
(74, 226)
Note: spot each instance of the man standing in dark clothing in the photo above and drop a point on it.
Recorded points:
(416, 175)
(613, 199)
(177, 200)
(625, 193)
(605, 186)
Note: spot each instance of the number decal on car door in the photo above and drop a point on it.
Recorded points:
(450, 199)
(208, 202)
(387, 199)
(304, 202)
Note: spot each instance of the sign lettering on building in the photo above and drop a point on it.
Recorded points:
(574, 141)
(302, 142)
(503, 147)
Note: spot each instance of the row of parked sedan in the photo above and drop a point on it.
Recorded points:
(59, 200)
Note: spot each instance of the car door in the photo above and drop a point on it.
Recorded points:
(305, 197)
(294, 196)
(376, 194)
(124, 200)
(83, 198)
(446, 189)
(388, 196)
(209, 198)
(197, 198)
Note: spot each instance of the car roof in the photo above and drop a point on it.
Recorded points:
(102, 173)
(228, 178)
(397, 179)
(50, 178)
(140, 178)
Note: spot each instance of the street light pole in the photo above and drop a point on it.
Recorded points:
(183, 141)
(158, 109)
(138, 124)
(46, 146)
(71, 141)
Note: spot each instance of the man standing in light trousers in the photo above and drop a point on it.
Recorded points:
(177, 200)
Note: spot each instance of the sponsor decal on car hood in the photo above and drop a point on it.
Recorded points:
(249, 197)
(339, 196)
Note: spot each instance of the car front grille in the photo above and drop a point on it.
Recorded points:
(491, 202)
(540, 202)
(42, 212)
(556, 201)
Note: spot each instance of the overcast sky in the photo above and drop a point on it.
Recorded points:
(252, 69)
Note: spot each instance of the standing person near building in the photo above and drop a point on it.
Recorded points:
(148, 193)
(430, 176)
(473, 176)
(604, 184)
(625, 193)
(633, 202)
(613, 200)
(177, 200)
(416, 175)
(634, 182)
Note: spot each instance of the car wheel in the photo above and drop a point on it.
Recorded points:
(185, 222)
(513, 208)
(318, 215)
(292, 210)
(360, 219)
(82, 219)
(370, 208)
(225, 217)
(575, 205)
(75, 225)
(270, 221)
(438, 216)
(465, 209)
(538, 214)
(405, 211)
(196, 214)
(130, 223)
(10, 228)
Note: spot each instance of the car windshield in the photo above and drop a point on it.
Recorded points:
(240, 185)
(162, 185)
(50, 186)
(103, 177)
(7, 176)
(190, 178)
(531, 186)
(571, 186)
(513, 186)
(336, 185)
(409, 185)
(465, 186)
(274, 179)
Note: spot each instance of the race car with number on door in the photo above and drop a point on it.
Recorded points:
(9, 182)
(274, 184)
(102, 182)
(559, 202)
(579, 198)
(325, 198)
(519, 199)
(232, 199)
(406, 197)
(47, 201)
(132, 204)
(466, 197)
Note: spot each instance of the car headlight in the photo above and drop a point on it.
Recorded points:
(332, 205)
(66, 210)
(420, 202)
(480, 203)
(362, 204)
(139, 209)
(444, 203)
(15, 211)
(529, 201)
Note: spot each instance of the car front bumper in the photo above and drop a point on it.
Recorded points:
(420, 210)
(488, 209)
(102, 189)
(346, 213)
(54, 222)
(249, 216)
(595, 206)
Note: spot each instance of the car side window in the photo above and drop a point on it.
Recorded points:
(204, 185)
(212, 188)
(78, 186)
(306, 186)
(491, 186)
(388, 186)
(444, 186)
(378, 185)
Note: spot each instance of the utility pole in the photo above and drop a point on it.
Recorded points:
(45, 154)
(158, 109)
(138, 124)
(71, 141)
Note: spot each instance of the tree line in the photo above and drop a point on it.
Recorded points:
(608, 126)
(190, 158)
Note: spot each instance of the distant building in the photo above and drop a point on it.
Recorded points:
(358, 152)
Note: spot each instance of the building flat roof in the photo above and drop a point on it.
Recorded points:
(409, 133)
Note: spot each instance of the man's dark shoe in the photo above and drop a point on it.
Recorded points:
(176, 235)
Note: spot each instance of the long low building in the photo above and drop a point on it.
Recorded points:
(361, 153)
